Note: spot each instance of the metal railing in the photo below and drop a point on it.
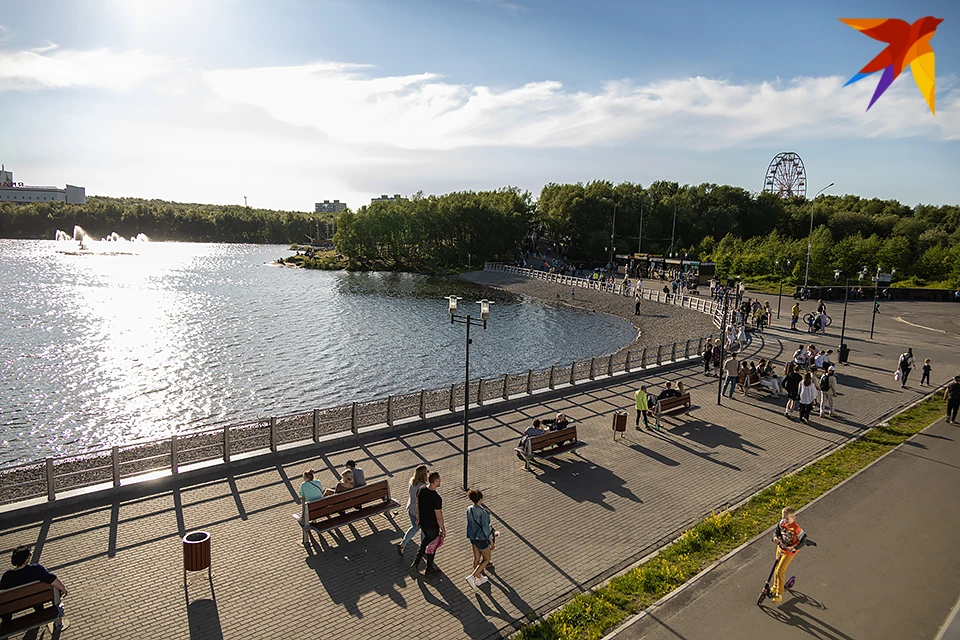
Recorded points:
(111, 466)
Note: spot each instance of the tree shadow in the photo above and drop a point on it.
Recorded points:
(855, 382)
(709, 457)
(713, 435)
(584, 481)
(650, 453)
(355, 568)
(790, 613)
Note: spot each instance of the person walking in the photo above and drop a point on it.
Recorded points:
(480, 535)
(637, 299)
(707, 356)
(828, 391)
(791, 383)
(417, 481)
(430, 511)
(925, 373)
(731, 368)
(905, 366)
(952, 395)
(643, 405)
(808, 394)
(794, 315)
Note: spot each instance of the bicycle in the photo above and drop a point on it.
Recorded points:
(825, 321)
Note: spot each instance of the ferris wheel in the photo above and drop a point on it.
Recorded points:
(786, 176)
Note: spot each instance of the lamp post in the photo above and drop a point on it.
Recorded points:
(316, 238)
(846, 297)
(781, 270)
(469, 321)
(806, 278)
(876, 291)
(613, 226)
(723, 342)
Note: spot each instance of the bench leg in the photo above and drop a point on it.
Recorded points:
(306, 539)
(526, 462)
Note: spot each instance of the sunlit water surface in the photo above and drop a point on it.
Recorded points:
(97, 350)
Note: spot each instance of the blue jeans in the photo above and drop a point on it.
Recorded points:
(408, 536)
(729, 381)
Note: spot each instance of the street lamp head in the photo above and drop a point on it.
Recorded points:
(484, 308)
(453, 306)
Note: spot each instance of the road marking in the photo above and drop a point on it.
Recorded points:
(920, 326)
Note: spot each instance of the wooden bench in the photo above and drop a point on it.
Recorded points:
(550, 444)
(27, 597)
(344, 508)
(672, 406)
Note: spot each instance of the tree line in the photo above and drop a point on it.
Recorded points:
(748, 234)
(162, 220)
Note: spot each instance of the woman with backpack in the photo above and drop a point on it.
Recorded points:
(481, 536)
(828, 391)
(904, 367)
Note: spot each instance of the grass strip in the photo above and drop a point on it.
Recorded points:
(592, 615)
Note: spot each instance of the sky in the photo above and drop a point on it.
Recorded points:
(290, 102)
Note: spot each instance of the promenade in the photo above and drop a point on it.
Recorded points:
(569, 524)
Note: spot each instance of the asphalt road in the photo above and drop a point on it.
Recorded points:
(887, 565)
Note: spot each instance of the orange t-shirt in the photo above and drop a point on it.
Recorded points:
(788, 535)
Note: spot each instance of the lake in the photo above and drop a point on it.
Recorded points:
(99, 349)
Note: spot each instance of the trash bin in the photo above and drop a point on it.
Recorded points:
(196, 553)
(619, 422)
(844, 354)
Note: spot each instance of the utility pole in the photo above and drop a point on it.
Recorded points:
(640, 239)
(613, 227)
(674, 232)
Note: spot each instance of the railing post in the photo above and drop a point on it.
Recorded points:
(226, 441)
(423, 404)
(115, 463)
(353, 419)
(174, 455)
(273, 434)
(673, 352)
(643, 358)
(316, 425)
(480, 393)
(659, 355)
(686, 350)
(453, 395)
(530, 382)
(51, 483)
(626, 364)
(610, 365)
(552, 379)
(700, 347)
(573, 371)
(506, 381)
(389, 411)
(592, 362)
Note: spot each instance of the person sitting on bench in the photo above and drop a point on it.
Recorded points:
(24, 573)
(310, 489)
(359, 479)
(530, 432)
(558, 423)
(669, 392)
(345, 484)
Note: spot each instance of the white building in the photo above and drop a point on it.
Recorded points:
(11, 191)
(329, 207)
(386, 198)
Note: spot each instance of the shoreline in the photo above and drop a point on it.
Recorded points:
(657, 323)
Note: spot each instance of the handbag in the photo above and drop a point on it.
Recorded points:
(896, 376)
(434, 545)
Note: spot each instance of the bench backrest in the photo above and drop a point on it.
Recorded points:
(347, 500)
(552, 438)
(27, 596)
(755, 379)
(671, 403)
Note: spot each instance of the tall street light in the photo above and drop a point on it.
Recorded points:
(806, 278)
(469, 321)
(846, 298)
(723, 342)
(613, 226)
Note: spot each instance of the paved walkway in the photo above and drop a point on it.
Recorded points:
(884, 567)
(569, 524)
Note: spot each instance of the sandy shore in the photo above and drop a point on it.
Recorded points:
(657, 323)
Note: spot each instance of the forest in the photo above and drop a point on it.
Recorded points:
(162, 220)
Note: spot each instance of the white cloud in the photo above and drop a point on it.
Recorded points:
(54, 68)
(505, 4)
(50, 46)
(5, 33)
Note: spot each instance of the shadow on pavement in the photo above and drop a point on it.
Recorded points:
(362, 560)
(203, 619)
(713, 435)
(584, 481)
(790, 613)
(700, 454)
(438, 590)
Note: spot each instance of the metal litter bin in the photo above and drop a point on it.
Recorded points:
(196, 553)
(619, 423)
(844, 354)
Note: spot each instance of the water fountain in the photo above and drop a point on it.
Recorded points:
(86, 245)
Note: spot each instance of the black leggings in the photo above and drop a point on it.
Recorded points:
(429, 535)
(805, 411)
(903, 376)
(952, 407)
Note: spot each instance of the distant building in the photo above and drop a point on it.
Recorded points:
(11, 191)
(385, 198)
(329, 207)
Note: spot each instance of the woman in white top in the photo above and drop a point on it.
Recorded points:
(417, 482)
(808, 394)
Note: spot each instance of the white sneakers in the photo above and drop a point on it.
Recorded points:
(476, 582)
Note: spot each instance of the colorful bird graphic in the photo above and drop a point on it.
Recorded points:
(906, 44)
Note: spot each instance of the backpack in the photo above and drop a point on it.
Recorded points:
(825, 382)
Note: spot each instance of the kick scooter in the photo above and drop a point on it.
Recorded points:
(807, 542)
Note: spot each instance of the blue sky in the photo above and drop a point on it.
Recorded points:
(291, 101)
